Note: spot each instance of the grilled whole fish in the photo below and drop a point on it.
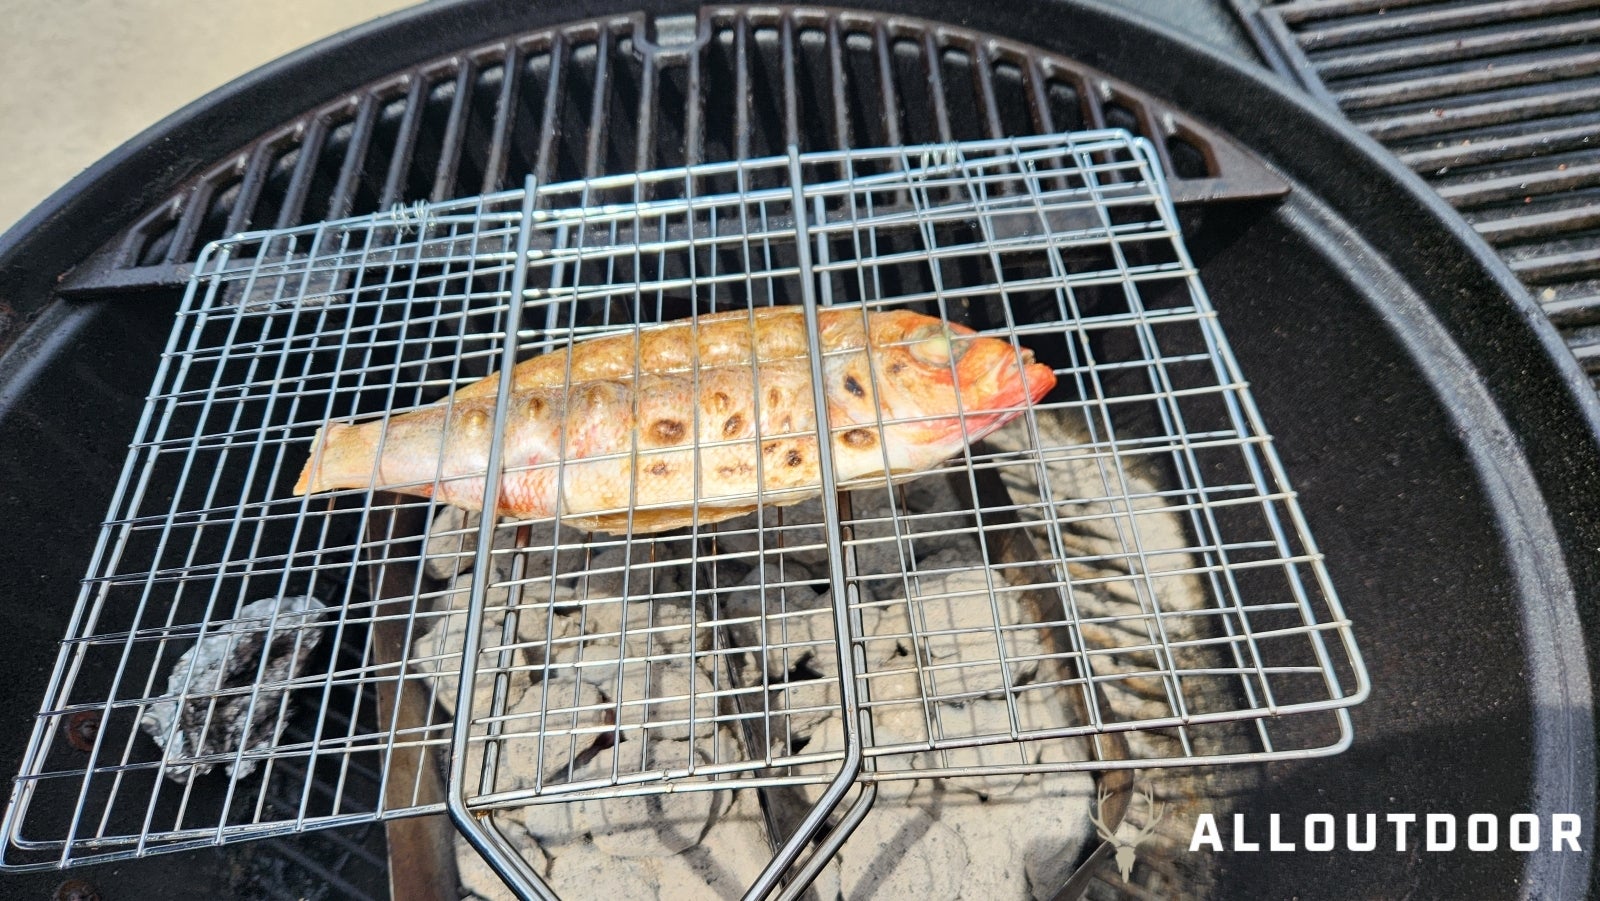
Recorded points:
(695, 421)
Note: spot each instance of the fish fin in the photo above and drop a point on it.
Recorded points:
(661, 520)
(342, 456)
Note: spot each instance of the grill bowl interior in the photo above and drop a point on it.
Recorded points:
(1445, 457)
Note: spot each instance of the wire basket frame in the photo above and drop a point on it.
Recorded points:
(1126, 556)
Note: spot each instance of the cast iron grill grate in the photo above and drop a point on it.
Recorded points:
(628, 93)
(626, 663)
(1496, 103)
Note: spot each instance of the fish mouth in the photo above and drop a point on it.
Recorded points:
(1023, 386)
(1011, 377)
(1005, 382)
(1036, 379)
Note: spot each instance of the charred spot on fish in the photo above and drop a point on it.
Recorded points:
(535, 405)
(598, 395)
(734, 426)
(660, 468)
(774, 397)
(860, 438)
(897, 367)
(667, 431)
(794, 458)
(720, 401)
(771, 447)
(853, 386)
(734, 469)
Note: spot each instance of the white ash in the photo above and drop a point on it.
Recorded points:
(453, 543)
(615, 646)
(436, 647)
(478, 879)
(903, 852)
(1126, 602)
(594, 874)
(209, 705)
(526, 761)
(453, 546)
(658, 825)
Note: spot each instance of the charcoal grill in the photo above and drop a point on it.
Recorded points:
(1362, 257)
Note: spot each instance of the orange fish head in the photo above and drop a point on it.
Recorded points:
(942, 385)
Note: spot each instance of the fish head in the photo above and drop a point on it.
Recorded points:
(938, 386)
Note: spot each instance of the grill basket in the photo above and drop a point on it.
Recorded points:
(1125, 557)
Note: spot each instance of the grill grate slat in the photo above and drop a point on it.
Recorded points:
(1497, 148)
(1487, 77)
(1300, 11)
(1557, 267)
(1513, 228)
(405, 141)
(444, 173)
(1495, 102)
(343, 202)
(1372, 62)
(1525, 184)
(552, 104)
(1367, 29)
(494, 177)
(1574, 311)
(250, 187)
(1443, 120)
(294, 199)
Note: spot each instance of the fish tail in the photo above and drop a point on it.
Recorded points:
(342, 456)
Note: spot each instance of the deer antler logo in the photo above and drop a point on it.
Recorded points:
(1126, 847)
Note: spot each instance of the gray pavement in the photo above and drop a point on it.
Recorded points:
(83, 76)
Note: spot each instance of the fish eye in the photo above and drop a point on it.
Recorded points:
(933, 351)
(936, 348)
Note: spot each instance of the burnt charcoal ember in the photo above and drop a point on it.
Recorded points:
(76, 890)
(213, 699)
(81, 729)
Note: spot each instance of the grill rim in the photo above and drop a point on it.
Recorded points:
(1519, 358)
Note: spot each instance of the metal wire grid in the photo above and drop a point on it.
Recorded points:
(1125, 557)
(203, 525)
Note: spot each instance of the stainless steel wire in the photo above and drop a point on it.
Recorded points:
(1126, 556)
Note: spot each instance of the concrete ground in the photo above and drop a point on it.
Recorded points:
(83, 76)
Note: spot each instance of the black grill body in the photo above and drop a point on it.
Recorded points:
(1443, 440)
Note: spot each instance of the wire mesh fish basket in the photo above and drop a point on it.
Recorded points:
(1123, 557)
